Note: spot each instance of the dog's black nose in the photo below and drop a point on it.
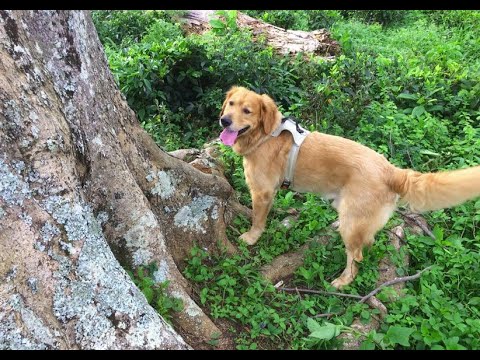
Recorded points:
(226, 121)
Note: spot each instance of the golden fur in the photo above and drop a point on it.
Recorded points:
(363, 185)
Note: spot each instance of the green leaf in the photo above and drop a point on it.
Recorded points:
(141, 113)
(148, 292)
(365, 314)
(438, 232)
(289, 196)
(452, 344)
(435, 108)
(203, 295)
(217, 24)
(367, 345)
(326, 332)
(474, 301)
(428, 152)
(312, 325)
(418, 110)
(178, 305)
(408, 96)
(477, 204)
(147, 282)
(147, 84)
(251, 292)
(399, 335)
(232, 14)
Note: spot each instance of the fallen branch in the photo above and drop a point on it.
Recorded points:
(422, 226)
(392, 282)
(362, 299)
(374, 303)
(320, 292)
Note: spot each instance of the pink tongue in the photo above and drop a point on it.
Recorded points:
(228, 137)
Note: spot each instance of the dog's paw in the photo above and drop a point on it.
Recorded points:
(335, 225)
(249, 238)
(340, 282)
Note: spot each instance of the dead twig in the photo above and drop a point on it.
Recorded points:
(298, 293)
(234, 230)
(420, 224)
(392, 282)
(402, 240)
(376, 304)
(362, 299)
(327, 315)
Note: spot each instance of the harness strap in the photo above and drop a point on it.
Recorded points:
(299, 134)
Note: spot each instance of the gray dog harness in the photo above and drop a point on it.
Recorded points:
(299, 134)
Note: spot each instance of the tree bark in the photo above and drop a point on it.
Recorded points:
(84, 190)
(288, 42)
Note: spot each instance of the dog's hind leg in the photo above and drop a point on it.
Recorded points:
(354, 246)
(359, 222)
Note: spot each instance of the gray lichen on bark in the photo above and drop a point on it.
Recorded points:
(61, 286)
(193, 215)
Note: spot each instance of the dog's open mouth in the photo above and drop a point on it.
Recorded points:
(243, 130)
(228, 137)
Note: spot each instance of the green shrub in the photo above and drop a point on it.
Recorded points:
(383, 17)
(297, 19)
(465, 19)
(126, 26)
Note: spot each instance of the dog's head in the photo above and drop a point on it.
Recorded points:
(245, 114)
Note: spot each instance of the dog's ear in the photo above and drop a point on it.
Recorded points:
(230, 92)
(268, 114)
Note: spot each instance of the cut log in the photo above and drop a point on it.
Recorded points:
(288, 42)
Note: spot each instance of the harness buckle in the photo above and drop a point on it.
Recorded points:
(285, 185)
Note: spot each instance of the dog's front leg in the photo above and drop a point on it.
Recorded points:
(262, 202)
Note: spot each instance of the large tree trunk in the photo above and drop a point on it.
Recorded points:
(84, 189)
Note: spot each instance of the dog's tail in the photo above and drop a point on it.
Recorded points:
(433, 191)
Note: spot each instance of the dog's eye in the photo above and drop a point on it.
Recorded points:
(231, 103)
(246, 111)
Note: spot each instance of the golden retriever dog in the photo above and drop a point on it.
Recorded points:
(363, 185)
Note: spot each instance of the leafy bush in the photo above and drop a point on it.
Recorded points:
(126, 26)
(383, 17)
(297, 19)
(143, 69)
(465, 19)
